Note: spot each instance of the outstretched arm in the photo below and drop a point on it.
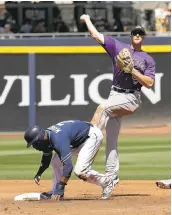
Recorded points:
(93, 31)
(45, 162)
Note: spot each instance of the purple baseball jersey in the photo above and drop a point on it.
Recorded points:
(143, 62)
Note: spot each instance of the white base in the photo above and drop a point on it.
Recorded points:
(27, 197)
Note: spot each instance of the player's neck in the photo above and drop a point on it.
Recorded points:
(136, 47)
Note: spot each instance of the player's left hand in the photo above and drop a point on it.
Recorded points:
(59, 191)
(124, 61)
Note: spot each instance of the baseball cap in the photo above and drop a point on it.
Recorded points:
(138, 29)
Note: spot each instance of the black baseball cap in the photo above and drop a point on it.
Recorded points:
(138, 29)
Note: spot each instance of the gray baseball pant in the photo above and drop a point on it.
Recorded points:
(117, 105)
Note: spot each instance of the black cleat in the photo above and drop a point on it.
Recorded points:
(46, 195)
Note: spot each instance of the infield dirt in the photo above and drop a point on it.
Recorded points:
(81, 198)
(129, 197)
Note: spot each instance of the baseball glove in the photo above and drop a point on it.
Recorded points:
(124, 61)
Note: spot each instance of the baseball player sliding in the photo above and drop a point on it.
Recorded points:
(132, 69)
(66, 139)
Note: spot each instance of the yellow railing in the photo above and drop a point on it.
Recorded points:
(73, 49)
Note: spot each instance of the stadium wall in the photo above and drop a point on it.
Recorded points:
(70, 86)
(74, 75)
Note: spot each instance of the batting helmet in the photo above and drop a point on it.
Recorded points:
(33, 135)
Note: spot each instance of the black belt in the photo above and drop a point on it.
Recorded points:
(120, 90)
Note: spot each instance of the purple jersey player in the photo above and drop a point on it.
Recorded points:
(142, 62)
(124, 96)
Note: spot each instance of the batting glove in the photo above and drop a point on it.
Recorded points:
(37, 178)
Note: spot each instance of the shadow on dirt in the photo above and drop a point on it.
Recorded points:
(128, 195)
(90, 197)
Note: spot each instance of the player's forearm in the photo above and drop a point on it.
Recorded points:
(93, 31)
(144, 80)
(67, 170)
(41, 170)
(45, 162)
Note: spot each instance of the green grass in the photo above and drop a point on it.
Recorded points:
(140, 158)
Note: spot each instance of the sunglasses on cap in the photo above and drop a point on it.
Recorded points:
(141, 33)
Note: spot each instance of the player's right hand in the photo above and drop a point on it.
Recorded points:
(57, 197)
(37, 178)
(58, 192)
(84, 17)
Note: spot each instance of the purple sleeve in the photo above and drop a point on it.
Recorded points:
(150, 69)
(109, 45)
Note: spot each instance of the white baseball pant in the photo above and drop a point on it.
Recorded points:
(86, 154)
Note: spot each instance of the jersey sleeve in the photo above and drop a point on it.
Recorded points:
(65, 154)
(150, 69)
(109, 45)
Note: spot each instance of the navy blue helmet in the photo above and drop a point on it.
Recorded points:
(33, 135)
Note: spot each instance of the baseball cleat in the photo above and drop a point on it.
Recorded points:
(46, 195)
(107, 190)
(164, 184)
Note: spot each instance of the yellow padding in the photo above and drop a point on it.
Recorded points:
(72, 49)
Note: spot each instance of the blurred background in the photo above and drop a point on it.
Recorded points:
(63, 16)
(52, 70)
